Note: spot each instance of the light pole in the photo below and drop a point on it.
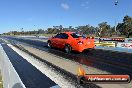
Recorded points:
(22, 31)
(116, 3)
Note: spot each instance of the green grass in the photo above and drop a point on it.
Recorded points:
(47, 35)
(130, 36)
(1, 85)
(125, 36)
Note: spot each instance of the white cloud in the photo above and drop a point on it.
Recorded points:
(85, 4)
(65, 6)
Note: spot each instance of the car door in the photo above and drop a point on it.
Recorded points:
(62, 40)
(55, 40)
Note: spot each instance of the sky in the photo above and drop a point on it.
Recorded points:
(35, 14)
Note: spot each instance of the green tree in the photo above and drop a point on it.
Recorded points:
(49, 30)
(127, 25)
(86, 29)
(125, 28)
(104, 29)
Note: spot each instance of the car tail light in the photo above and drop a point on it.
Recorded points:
(80, 42)
(88, 38)
(92, 37)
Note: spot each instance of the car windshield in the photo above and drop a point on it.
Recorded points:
(75, 35)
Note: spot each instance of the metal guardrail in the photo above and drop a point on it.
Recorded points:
(9, 75)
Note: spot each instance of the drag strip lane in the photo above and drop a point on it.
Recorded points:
(30, 76)
(108, 61)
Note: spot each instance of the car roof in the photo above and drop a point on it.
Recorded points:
(68, 32)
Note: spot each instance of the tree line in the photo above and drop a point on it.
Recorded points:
(103, 29)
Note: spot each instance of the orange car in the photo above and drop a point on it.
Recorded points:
(71, 41)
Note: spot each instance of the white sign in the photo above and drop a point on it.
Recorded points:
(124, 45)
(128, 40)
(106, 39)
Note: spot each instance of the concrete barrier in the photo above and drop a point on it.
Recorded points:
(9, 75)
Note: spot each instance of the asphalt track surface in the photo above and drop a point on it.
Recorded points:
(30, 76)
(66, 74)
(110, 61)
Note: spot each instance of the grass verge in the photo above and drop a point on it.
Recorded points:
(1, 83)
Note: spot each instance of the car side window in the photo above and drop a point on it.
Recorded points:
(64, 36)
(58, 36)
(74, 35)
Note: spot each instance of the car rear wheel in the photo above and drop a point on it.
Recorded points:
(67, 48)
(81, 80)
(49, 44)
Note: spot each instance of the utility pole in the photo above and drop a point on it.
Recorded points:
(116, 3)
(22, 31)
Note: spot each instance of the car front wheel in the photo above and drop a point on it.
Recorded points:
(49, 44)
